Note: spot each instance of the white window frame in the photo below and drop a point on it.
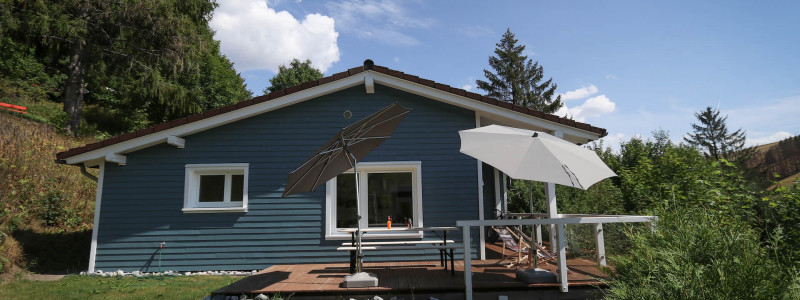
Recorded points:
(191, 190)
(413, 167)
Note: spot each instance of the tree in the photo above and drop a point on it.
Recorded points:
(712, 136)
(516, 79)
(137, 49)
(297, 73)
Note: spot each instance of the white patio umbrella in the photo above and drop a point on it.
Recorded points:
(534, 155)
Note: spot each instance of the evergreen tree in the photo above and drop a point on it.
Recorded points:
(298, 72)
(517, 79)
(136, 52)
(712, 136)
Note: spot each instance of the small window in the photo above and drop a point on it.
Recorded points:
(216, 188)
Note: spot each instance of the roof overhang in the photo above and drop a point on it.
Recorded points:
(487, 114)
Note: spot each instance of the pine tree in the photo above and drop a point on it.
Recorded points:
(138, 53)
(516, 79)
(712, 136)
(298, 72)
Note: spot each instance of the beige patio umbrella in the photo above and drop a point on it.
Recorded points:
(534, 155)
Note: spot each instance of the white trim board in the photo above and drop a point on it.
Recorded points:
(96, 226)
(489, 112)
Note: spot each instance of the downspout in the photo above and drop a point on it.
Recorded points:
(83, 169)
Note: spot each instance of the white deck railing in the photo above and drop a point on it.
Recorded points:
(560, 239)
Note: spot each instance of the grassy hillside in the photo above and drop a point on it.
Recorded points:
(777, 162)
(46, 209)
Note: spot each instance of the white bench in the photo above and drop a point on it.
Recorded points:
(442, 245)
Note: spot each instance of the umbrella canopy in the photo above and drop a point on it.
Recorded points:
(333, 158)
(533, 155)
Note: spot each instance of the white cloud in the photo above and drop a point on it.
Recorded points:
(580, 93)
(467, 87)
(256, 37)
(611, 76)
(763, 140)
(382, 20)
(475, 31)
(592, 108)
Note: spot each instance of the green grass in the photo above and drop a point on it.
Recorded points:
(86, 287)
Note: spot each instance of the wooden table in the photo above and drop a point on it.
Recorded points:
(402, 245)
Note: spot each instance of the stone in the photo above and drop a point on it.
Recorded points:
(262, 297)
(536, 276)
(359, 280)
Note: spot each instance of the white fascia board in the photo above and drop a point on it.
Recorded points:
(486, 110)
(219, 120)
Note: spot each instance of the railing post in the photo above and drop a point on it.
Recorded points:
(562, 258)
(539, 234)
(467, 264)
(601, 244)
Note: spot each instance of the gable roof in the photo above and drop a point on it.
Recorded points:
(212, 118)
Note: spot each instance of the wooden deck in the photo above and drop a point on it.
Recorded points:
(490, 277)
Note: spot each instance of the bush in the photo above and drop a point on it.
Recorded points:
(692, 255)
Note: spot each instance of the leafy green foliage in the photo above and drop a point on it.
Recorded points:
(516, 79)
(694, 255)
(298, 72)
(40, 198)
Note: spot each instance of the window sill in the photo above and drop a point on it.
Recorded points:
(193, 210)
(377, 236)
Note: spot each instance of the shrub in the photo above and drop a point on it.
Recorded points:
(693, 255)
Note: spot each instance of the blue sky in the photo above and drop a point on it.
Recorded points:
(628, 66)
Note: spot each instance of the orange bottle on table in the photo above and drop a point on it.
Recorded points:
(389, 223)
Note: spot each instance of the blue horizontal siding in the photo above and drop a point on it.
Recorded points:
(142, 201)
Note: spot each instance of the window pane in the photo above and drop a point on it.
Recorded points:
(212, 188)
(237, 188)
(346, 216)
(390, 194)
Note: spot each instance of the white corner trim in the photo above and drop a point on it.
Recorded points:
(116, 158)
(369, 82)
(176, 141)
(482, 232)
(97, 199)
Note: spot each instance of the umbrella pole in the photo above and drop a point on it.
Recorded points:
(359, 255)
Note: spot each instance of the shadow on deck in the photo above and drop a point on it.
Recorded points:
(420, 280)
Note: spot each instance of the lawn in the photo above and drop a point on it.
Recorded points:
(86, 287)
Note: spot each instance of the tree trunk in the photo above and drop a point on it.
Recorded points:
(74, 87)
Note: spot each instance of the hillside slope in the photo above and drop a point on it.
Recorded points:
(46, 209)
(777, 162)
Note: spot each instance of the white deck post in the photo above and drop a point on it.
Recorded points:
(601, 244)
(467, 264)
(562, 258)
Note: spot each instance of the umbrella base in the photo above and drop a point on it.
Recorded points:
(359, 280)
(536, 276)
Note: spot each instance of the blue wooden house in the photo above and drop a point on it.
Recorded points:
(204, 192)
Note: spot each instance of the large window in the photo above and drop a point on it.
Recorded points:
(391, 189)
(216, 188)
